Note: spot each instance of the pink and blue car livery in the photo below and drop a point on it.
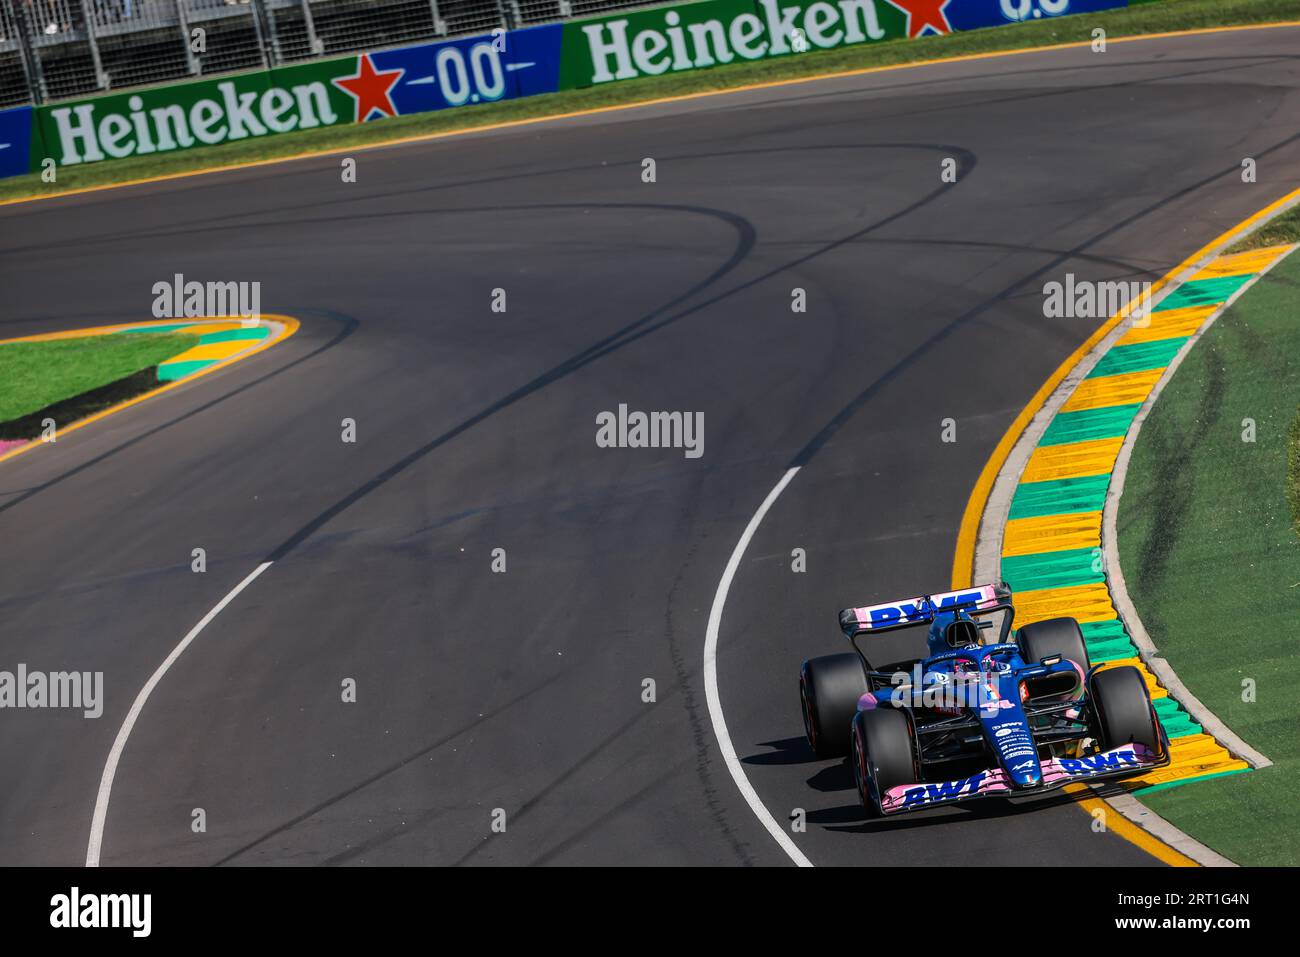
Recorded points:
(1056, 772)
(992, 678)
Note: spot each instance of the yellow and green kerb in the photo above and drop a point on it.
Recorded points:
(1051, 547)
(218, 340)
(221, 341)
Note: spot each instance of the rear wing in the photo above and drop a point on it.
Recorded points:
(908, 612)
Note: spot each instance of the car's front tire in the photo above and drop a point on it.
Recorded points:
(1121, 706)
(829, 690)
(883, 755)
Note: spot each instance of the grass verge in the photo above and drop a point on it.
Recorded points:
(1283, 229)
(1144, 18)
(68, 379)
(1212, 559)
(1293, 474)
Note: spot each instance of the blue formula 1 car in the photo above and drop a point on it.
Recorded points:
(976, 717)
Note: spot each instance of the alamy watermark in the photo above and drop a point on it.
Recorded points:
(942, 691)
(133, 912)
(83, 690)
(1083, 299)
(182, 299)
(651, 430)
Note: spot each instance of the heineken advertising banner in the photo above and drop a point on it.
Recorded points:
(481, 69)
(353, 89)
(699, 35)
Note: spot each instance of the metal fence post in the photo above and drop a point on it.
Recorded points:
(88, 15)
(184, 25)
(503, 13)
(439, 24)
(31, 61)
(313, 42)
(270, 56)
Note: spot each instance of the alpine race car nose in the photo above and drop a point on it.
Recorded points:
(1014, 744)
(1026, 772)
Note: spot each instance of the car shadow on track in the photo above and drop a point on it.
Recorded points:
(786, 751)
(790, 751)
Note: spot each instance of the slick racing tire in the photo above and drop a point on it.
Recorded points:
(829, 689)
(883, 754)
(1055, 636)
(1122, 709)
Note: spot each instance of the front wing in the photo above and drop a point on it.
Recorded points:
(1057, 772)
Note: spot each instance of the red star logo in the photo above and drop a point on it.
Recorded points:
(923, 15)
(370, 88)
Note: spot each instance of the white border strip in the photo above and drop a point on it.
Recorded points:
(124, 733)
(711, 681)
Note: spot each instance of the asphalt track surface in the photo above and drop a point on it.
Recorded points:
(476, 431)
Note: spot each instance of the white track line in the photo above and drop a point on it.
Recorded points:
(711, 681)
(124, 733)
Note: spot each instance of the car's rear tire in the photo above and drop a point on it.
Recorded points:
(883, 754)
(829, 689)
(1055, 636)
(1121, 705)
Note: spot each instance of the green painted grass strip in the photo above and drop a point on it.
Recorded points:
(235, 335)
(1071, 566)
(1109, 422)
(1203, 292)
(1177, 722)
(1059, 497)
(1103, 630)
(170, 371)
(1138, 357)
(1181, 726)
(1107, 640)
(1200, 777)
(1099, 652)
(136, 330)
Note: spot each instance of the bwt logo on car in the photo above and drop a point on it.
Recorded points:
(1098, 762)
(883, 615)
(943, 791)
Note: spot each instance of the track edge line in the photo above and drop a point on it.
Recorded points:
(94, 844)
(713, 699)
